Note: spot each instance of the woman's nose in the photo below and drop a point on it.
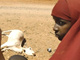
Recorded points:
(55, 28)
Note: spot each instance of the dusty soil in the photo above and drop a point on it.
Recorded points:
(34, 19)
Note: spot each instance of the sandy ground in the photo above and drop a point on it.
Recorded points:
(35, 20)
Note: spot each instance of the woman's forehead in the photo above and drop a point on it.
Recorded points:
(59, 19)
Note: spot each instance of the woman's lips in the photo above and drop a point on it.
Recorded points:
(57, 35)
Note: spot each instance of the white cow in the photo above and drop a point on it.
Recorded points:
(15, 39)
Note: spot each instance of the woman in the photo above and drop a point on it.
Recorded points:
(69, 48)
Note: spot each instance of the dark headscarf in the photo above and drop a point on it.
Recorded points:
(17, 57)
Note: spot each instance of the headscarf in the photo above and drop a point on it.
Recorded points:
(69, 48)
(17, 57)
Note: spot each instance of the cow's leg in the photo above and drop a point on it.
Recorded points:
(3, 45)
(4, 49)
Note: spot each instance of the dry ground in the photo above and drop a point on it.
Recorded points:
(34, 19)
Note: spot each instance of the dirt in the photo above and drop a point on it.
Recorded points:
(34, 18)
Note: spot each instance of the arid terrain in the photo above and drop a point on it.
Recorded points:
(34, 18)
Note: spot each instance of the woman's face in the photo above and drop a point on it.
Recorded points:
(61, 27)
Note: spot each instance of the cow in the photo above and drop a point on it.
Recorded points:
(14, 42)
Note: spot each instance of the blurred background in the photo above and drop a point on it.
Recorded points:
(30, 1)
(33, 17)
